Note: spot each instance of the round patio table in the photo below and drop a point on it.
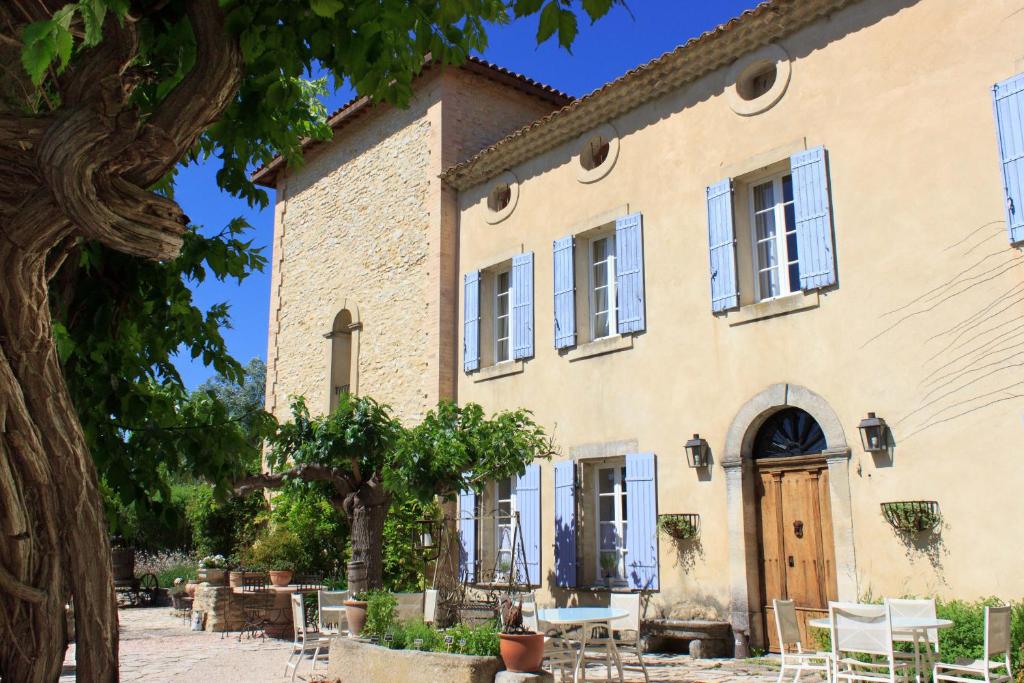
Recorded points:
(915, 627)
(588, 618)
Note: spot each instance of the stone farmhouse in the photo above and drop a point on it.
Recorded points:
(765, 290)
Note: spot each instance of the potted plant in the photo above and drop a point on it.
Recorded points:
(681, 527)
(213, 569)
(521, 649)
(279, 551)
(504, 566)
(609, 567)
(355, 612)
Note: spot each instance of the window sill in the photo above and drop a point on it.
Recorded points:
(600, 347)
(500, 370)
(793, 303)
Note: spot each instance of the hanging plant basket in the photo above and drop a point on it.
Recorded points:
(682, 527)
(913, 515)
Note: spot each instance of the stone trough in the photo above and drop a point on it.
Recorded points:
(355, 660)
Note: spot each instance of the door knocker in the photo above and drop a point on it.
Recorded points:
(798, 529)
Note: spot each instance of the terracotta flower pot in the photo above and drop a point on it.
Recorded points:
(355, 611)
(522, 652)
(190, 588)
(280, 577)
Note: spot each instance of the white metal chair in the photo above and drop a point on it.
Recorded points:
(864, 630)
(793, 657)
(557, 651)
(916, 609)
(334, 621)
(305, 640)
(628, 629)
(997, 642)
(429, 606)
(410, 606)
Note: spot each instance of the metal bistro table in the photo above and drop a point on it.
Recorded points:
(587, 618)
(915, 627)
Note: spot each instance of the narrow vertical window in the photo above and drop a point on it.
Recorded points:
(612, 522)
(776, 259)
(505, 528)
(603, 299)
(503, 316)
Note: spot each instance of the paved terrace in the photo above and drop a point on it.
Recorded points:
(157, 648)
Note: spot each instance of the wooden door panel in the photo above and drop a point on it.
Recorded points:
(769, 531)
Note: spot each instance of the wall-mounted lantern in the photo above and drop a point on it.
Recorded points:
(873, 434)
(697, 452)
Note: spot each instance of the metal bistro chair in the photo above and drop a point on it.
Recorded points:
(256, 607)
(920, 609)
(627, 631)
(306, 638)
(182, 606)
(864, 630)
(997, 642)
(793, 657)
(558, 652)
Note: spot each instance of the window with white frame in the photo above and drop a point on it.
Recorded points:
(503, 316)
(773, 222)
(504, 528)
(610, 486)
(603, 297)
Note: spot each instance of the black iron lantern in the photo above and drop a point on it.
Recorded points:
(425, 537)
(873, 434)
(697, 452)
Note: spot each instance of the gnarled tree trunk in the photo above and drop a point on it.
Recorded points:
(367, 511)
(81, 170)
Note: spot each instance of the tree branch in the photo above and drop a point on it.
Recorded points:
(275, 480)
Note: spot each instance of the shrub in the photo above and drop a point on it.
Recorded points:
(479, 640)
(380, 613)
(278, 549)
(167, 565)
(322, 531)
(966, 637)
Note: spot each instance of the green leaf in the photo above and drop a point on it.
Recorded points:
(326, 8)
(566, 28)
(39, 50)
(549, 20)
(596, 9)
(93, 13)
(523, 8)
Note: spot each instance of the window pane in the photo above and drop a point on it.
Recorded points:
(787, 188)
(765, 224)
(622, 475)
(790, 210)
(601, 325)
(600, 249)
(503, 349)
(610, 537)
(766, 254)
(606, 480)
(505, 538)
(791, 247)
(764, 196)
(607, 508)
(505, 488)
(794, 277)
(600, 274)
(769, 283)
(503, 282)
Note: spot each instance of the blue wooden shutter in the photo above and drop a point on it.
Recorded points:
(565, 523)
(467, 536)
(1008, 98)
(471, 323)
(642, 512)
(629, 272)
(528, 505)
(565, 293)
(813, 219)
(725, 290)
(522, 305)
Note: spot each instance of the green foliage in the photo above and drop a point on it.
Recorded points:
(403, 565)
(119, 322)
(966, 638)
(321, 529)
(167, 565)
(278, 549)
(220, 527)
(480, 640)
(679, 527)
(381, 609)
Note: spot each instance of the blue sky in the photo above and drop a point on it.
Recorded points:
(603, 51)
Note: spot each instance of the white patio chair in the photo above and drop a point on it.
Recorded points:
(997, 642)
(793, 657)
(558, 652)
(429, 606)
(916, 609)
(305, 640)
(335, 621)
(627, 630)
(864, 630)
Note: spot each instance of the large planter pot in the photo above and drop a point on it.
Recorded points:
(357, 660)
(235, 579)
(214, 577)
(280, 577)
(355, 612)
(522, 652)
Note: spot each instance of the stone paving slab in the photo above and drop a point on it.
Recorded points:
(159, 648)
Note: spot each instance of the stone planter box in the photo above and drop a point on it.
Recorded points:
(355, 660)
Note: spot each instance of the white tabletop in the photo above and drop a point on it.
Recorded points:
(898, 623)
(580, 615)
(332, 608)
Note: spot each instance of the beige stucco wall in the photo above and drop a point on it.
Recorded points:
(900, 95)
(366, 225)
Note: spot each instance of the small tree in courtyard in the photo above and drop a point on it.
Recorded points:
(369, 460)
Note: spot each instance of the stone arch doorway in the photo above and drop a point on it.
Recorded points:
(785, 428)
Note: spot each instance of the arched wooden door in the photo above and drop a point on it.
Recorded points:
(794, 519)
